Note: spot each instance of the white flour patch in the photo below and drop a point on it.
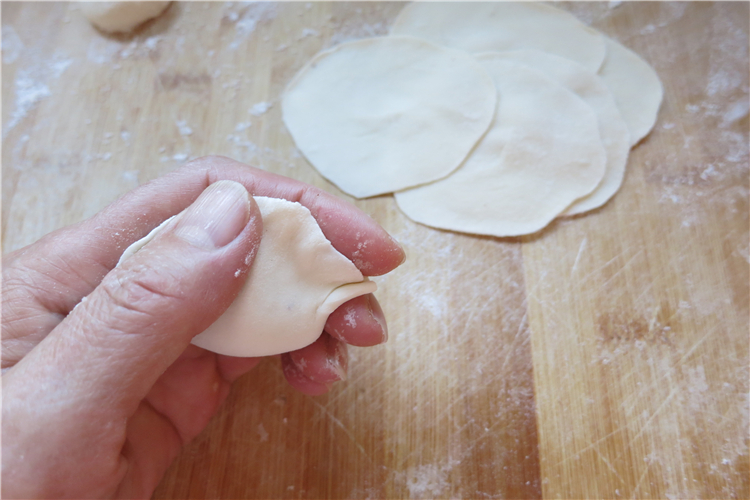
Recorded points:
(262, 433)
(728, 52)
(242, 126)
(29, 91)
(350, 318)
(246, 18)
(183, 128)
(11, 44)
(59, 66)
(427, 481)
(32, 86)
(131, 177)
(259, 108)
(735, 112)
(707, 158)
(248, 146)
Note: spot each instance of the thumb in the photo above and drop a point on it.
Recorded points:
(135, 324)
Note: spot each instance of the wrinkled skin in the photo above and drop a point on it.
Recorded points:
(98, 401)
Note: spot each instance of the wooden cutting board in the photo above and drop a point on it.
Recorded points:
(606, 356)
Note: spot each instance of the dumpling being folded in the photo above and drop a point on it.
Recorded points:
(297, 280)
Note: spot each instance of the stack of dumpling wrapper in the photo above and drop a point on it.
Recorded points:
(483, 118)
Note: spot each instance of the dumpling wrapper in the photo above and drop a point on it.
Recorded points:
(366, 114)
(612, 128)
(636, 87)
(541, 153)
(498, 26)
(297, 280)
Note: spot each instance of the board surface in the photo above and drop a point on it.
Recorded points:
(605, 357)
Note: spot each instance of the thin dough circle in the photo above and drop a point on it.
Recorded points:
(636, 87)
(497, 26)
(367, 113)
(297, 280)
(612, 128)
(541, 153)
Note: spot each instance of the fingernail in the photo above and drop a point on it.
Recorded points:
(217, 217)
(401, 248)
(405, 256)
(336, 358)
(377, 314)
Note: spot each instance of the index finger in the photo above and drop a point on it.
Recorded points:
(77, 257)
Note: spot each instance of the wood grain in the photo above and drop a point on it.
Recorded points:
(605, 357)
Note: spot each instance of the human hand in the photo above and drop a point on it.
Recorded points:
(99, 399)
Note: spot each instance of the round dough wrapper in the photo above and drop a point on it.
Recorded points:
(541, 153)
(497, 26)
(382, 114)
(613, 131)
(121, 17)
(297, 280)
(636, 86)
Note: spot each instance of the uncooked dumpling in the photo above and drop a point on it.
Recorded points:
(121, 17)
(636, 86)
(382, 114)
(497, 26)
(612, 128)
(541, 153)
(297, 280)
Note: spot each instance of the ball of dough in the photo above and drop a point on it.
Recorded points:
(121, 17)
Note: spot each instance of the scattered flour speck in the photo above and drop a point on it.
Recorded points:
(262, 433)
(259, 108)
(183, 127)
(131, 176)
(350, 318)
(242, 126)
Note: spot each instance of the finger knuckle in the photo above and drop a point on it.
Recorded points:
(137, 295)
